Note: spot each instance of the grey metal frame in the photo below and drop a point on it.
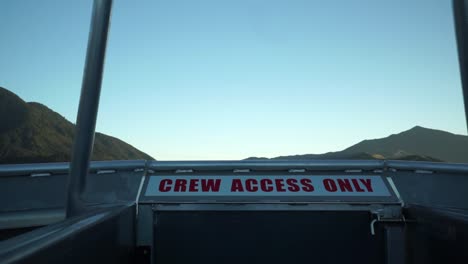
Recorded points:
(89, 103)
(30, 218)
(307, 165)
(83, 145)
(266, 165)
(460, 14)
(8, 170)
(27, 170)
(101, 226)
(455, 168)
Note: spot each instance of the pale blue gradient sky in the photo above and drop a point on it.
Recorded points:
(229, 79)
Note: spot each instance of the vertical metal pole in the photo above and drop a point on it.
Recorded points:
(460, 12)
(88, 107)
(395, 244)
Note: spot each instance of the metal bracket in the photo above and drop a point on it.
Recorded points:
(386, 215)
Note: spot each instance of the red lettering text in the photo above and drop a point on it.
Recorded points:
(292, 185)
(280, 185)
(237, 186)
(250, 185)
(345, 185)
(210, 185)
(330, 185)
(193, 187)
(307, 185)
(367, 183)
(163, 187)
(356, 185)
(180, 185)
(265, 187)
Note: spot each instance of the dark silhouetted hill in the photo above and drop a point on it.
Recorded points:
(427, 142)
(417, 144)
(31, 132)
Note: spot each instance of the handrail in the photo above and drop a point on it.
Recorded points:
(460, 14)
(430, 166)
(89, 104)
(267, 165)
(7, 170)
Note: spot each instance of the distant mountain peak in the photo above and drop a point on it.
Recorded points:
(13, 110)
(425, 129)
(418, 144)
(418, 128)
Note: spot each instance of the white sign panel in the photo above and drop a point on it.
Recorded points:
(240, 186)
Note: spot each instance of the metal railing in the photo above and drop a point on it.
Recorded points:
(89, 102)
(27, 170)
(64, 167)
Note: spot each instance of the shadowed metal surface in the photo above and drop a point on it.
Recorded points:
(436, 235)
(44, 198)
(266, 237)
(236, 232)
(105, 235)
(432, 189)
(21, 192)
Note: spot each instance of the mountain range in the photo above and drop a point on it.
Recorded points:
(417, 143)
(31, 132)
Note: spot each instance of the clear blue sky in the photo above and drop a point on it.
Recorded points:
(229, 79)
